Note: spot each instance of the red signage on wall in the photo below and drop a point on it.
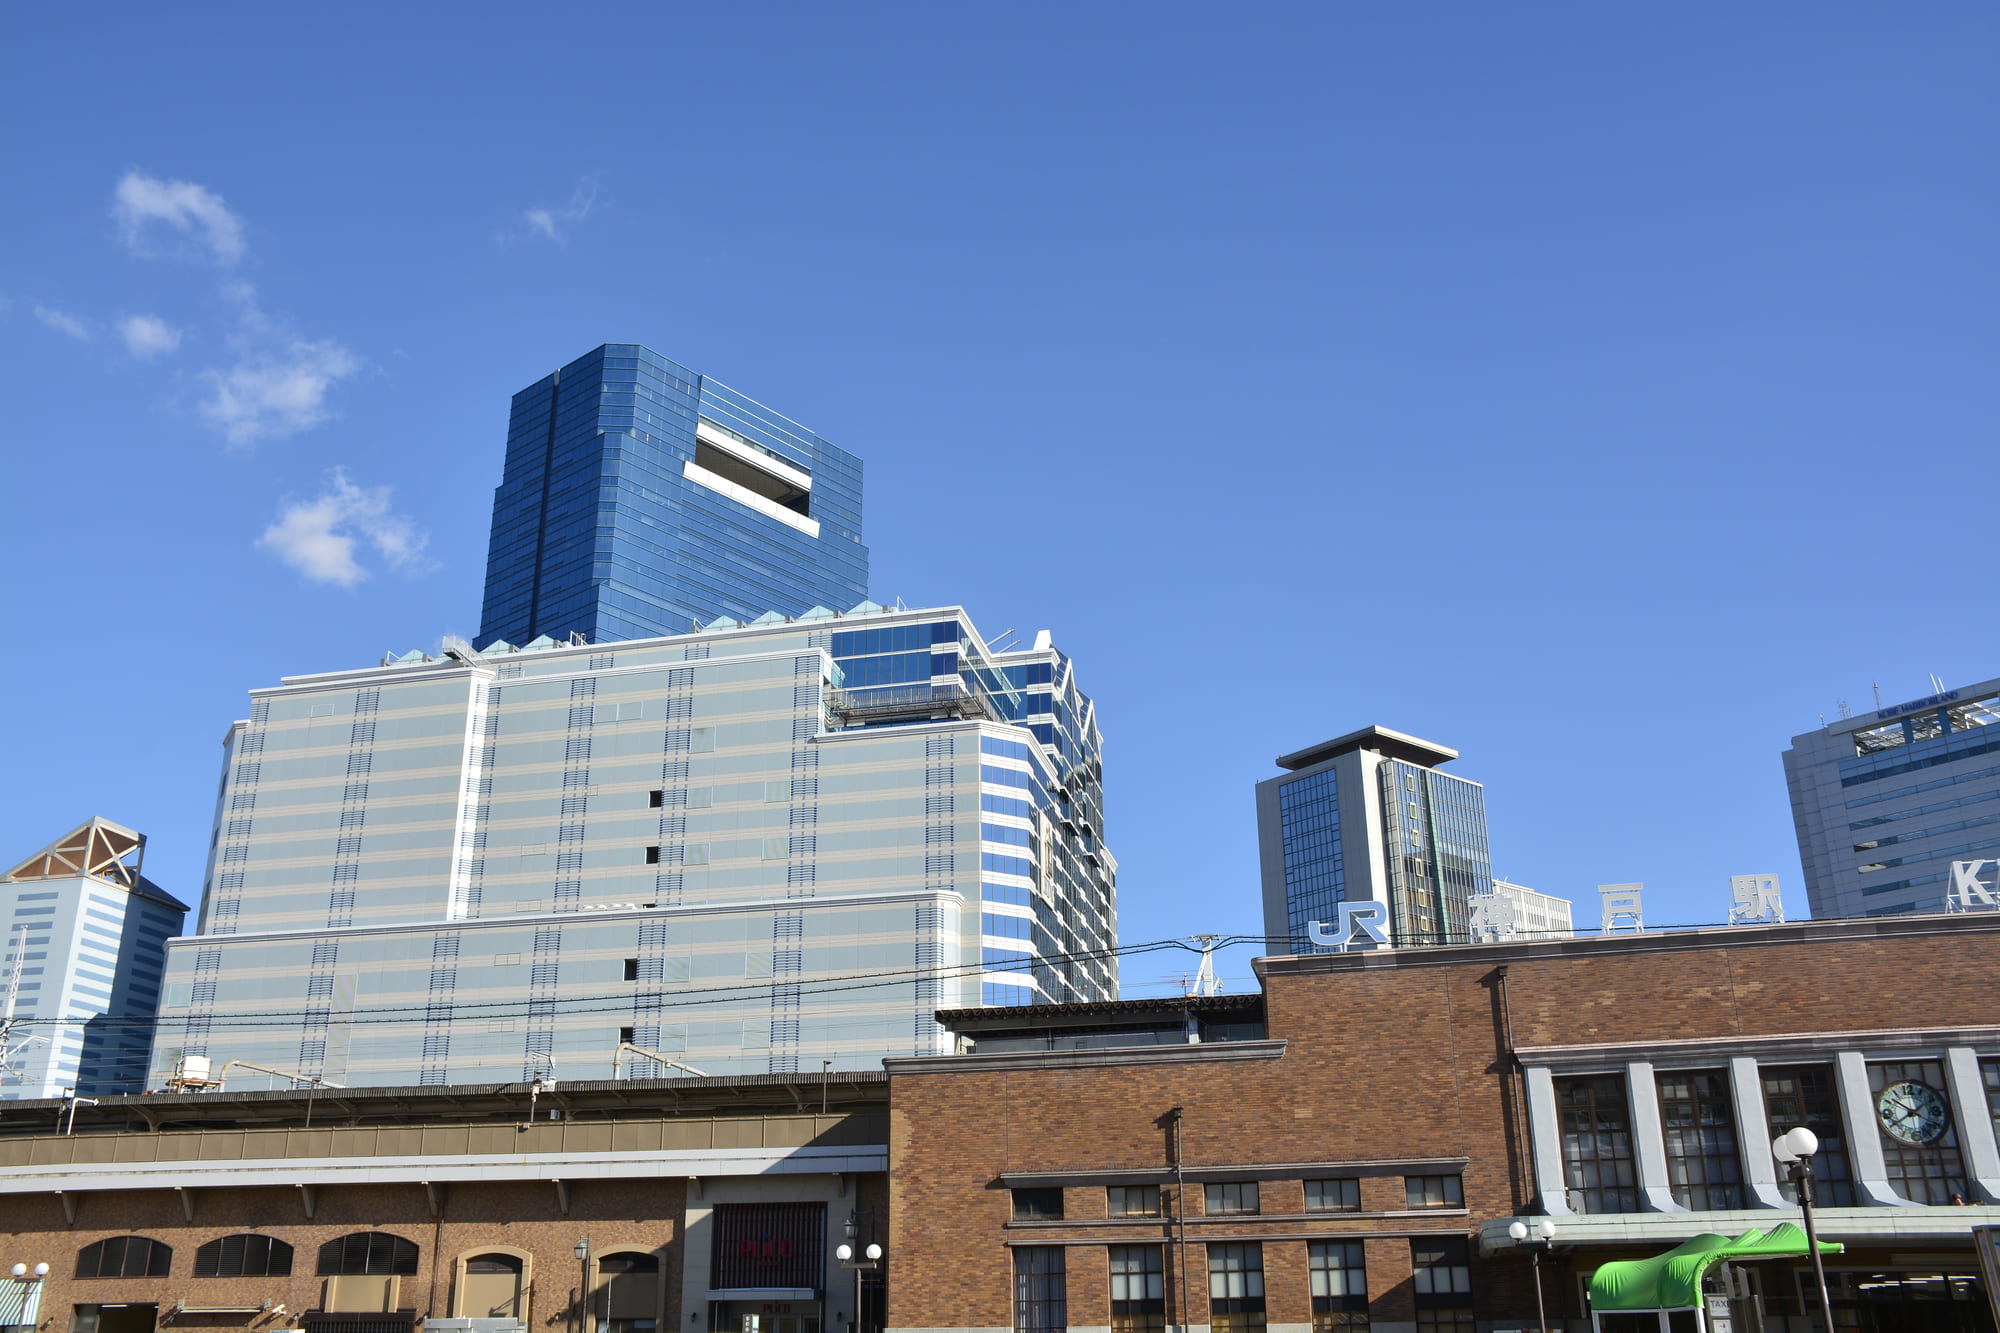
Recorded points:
(768, 1245)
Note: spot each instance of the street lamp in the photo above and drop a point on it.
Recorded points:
(1795, 1148)
(861, 1260)
(582, 1253)
(1545, 1235)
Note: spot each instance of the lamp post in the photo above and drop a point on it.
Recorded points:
(1545, 1236)
(29, 1300)
(861, 1260)
(1795, 1148)
(582, 1253)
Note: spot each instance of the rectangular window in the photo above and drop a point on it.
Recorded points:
(656, 798)
(1699, 1121)
(1138, 1289)
(1339, 1285)
(777, 849)
(1921, 1152)
(1132, 1201)
(1804, 1095)
(1038, 1205)
(1233, 1196)
(700, 798)
(627, 1034)
(1434, 1191)
(1442, 1268)
(701, 740)
(652, 856)
(778, 791)
(1597, 1144)
(631, 972)
(1333, 1196)
(1235, 1287)
(696, 854)
(1041, 1293)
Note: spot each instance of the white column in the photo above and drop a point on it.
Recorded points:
(1864, 1138)
(1545, 1127)
(1753, 1136)
(1975, 1122)
(1649, 1143)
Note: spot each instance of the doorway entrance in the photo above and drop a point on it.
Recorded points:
(132, 1318)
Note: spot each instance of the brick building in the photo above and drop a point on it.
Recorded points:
(1349, 1147)
(369, 1210)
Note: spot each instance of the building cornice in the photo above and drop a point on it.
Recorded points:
(1010, 1061)
(1688, 1053)
(1160, 1175)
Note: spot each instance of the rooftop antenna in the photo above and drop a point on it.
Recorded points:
(1205, 981)
(1845, 711)
(1937, 686)
(1878, 694)
(1622, 911)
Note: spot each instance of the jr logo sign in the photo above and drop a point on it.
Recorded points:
(1368, 917)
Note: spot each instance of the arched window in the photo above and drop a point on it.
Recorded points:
(247, 1255)
(124, 1256)
(491, 1287)
(628, 1297)
(363, 1252)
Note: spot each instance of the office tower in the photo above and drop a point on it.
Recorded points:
(1884, 803)
(748, 849)
(80, 971)
(1517, 912)
(1368, 817)
(640, 498)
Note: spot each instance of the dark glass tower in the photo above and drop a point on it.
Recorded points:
(640, 498)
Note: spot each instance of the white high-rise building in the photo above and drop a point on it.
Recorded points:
(80, 968)
(748, 850)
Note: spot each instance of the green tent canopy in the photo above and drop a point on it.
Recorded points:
(1672, 1281)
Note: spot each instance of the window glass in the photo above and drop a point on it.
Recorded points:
(124, 1256)
(1804, 1095)
(1235, 1287)
(1234, 1196)
(1132, 1201)
(1434, 1191)
(1339, 1285)
(364, 1252)
(1442, 1268)
(1138, 1290)
(1922, 1152)
(1989, 1070)
(243, 1256)
(1597, 1144)
(1041, 1295)
(1333, 1196)
(1698, 1120)
(1038, 1204)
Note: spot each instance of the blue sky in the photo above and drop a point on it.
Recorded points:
(1605, 391)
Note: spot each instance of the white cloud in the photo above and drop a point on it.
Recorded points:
(195, 212)
(321, 537)
(149, 336)
(62, 323)
(557, 223)
(274, 393)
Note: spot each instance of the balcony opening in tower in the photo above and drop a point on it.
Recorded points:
(743, 462)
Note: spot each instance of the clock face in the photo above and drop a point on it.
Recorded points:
(1912, 1112)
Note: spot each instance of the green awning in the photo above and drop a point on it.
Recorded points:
(1672, 1281)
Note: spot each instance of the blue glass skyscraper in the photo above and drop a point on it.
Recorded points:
(639, 498)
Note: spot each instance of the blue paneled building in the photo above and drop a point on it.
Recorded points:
(641, 499)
